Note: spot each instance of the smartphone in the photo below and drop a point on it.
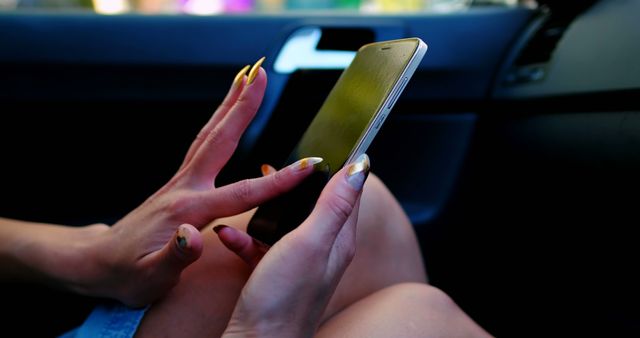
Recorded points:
(342, 130)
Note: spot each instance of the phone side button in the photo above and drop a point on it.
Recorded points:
(395, 95)
(380, 120)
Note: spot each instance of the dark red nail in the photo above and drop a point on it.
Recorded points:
(219, 227)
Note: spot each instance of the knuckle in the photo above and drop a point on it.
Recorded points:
(246, 102)
(226, 105)
(218, 136)
(178, 205)
(243, 191)
(278, 181)
(202, 135)
(340, 207)
(215, 135)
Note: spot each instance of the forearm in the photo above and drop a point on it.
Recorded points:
(47, 253)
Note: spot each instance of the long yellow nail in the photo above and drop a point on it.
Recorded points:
(306, 163)
(254, 70)
(238, 79)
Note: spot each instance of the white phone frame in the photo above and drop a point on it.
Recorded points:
(381, 115)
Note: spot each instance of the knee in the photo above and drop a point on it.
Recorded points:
(420, 295)
(381, 218)
(430, 310)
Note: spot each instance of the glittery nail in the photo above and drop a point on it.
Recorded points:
(182, 238)
(358, 172)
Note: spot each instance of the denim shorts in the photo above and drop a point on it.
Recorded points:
(109, 321)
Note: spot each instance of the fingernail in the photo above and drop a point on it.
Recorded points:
(267, 170)
(182, 238)
(358, 172)
(240, 76)
(306, 163)
(219, 227)
(254, 70)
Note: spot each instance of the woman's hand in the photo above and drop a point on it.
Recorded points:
(293, 281)
(141, 257)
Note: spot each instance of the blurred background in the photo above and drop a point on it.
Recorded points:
(209, 7)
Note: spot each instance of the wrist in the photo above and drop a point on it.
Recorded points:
(84, 265)
(47, 253)
(267, 328)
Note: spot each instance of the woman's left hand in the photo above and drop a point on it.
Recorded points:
(141, 257)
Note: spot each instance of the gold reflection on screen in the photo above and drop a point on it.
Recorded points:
(352, 103)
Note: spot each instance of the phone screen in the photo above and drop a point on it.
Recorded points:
(342, 129)
(352, 104)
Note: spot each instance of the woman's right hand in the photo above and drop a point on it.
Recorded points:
(293, 281)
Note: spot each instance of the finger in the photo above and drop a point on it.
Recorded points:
(184, 248)
(221, 142)
(344, 247)
(240, 243)
(337, 201)
(221, 112)
(247, 194)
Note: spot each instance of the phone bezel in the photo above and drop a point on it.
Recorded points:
(374, 125)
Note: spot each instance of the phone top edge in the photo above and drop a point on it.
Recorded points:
(376, 43)
(408, 72)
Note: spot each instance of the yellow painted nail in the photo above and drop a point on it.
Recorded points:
(254, 70)
(238, 79)
(267, 170)
(306, 163)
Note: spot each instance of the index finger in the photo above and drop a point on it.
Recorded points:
(247, 194)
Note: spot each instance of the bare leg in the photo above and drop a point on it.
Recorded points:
(403, 310)
(387, 250)
(201, 304)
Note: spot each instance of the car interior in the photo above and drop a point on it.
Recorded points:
(514, 149)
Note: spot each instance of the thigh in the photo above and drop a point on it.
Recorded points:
(402, 310)
(387, 249)
(201, 304)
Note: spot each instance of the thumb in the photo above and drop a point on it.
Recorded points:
(337, 202)
(183, 249)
